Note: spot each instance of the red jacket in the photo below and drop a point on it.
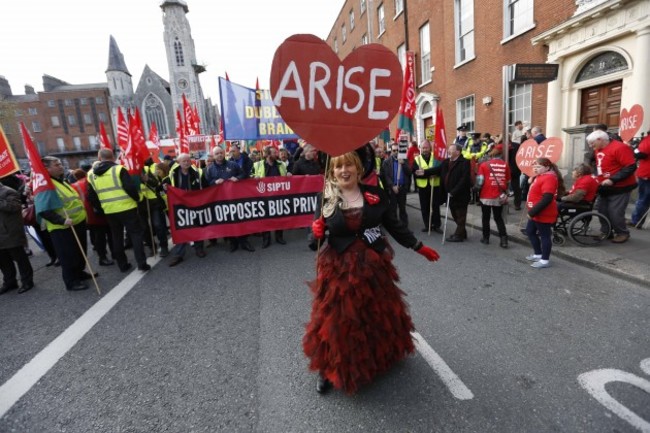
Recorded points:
(644, 164)
(611, 159)
(496, 180)
(91, 217)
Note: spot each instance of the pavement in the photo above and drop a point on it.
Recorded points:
(629, 261)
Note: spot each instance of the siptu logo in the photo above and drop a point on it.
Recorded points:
(261, 187)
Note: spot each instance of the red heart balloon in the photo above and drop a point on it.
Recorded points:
(529, 151)
(630, 122)
(335, 105)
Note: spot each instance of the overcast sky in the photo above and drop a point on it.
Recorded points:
(69, 39)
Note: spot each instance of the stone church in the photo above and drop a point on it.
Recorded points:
(156, 98)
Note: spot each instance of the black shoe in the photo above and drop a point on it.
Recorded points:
(280, 240)
(322, 385)
(126, 267)
(86, 276)
(245, 245)
(504, 242)
(524, 232)
(485, 241)
(174, 261)
(106, 262)
(517, 207)
(7, 287)
(454, 238)
(144, 268)
(52, 262)
(76, 287)
(437, 230)
(211, 243)
(266, 241)
(234, 246)
(57, 263)
(164, 251)
(25, 287)
(200, 254)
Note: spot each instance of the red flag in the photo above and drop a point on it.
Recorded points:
(8, 163)
(153, 135)
(197, 120)
(213, 142)
(141, 149)
(40, 175)
(122, 131)
(440, 140)
(189, 117)
(103, 137)
(128, 155)
(183, 143)
(407, 104)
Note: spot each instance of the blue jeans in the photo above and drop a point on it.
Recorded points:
(643, 202)
(539, 235)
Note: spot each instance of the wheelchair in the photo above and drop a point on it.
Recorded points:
(580, 223)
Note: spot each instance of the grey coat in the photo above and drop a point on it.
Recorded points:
(12, 231)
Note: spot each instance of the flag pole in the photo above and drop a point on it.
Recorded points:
(149, 223)
(430, 179)
(83, 253)
(322, 200)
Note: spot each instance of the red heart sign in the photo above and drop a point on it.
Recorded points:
(529, 151)
(335, 105)
(631, 122)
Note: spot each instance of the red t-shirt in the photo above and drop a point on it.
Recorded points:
(494, 184)
(588, 184)
(644, 164)
(611, 159)
(544, 183)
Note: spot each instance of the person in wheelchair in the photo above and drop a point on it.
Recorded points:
(582, 195)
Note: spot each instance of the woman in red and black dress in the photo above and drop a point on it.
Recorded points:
(360, 325)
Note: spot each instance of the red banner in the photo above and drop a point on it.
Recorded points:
(244, 207)
(8, 164)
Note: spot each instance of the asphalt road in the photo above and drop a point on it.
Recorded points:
(215, 345)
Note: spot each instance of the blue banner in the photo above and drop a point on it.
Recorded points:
(249, 114)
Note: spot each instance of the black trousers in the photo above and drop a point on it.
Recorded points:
(153, 218)
(46, 240)
(515, 184)
(459, 214)
(398, 203)
(70, 256)
(498, 219)
(425, 204)
(7, 258)
(129, 220)
(100, 237)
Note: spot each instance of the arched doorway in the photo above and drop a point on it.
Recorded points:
(601, 103)
(426, 104)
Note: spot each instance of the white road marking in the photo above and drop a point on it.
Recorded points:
(25, 378)
(449, 378)
(594, 382)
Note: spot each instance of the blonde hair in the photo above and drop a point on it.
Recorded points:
(332, 197)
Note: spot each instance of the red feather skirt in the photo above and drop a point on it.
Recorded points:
(360, 325)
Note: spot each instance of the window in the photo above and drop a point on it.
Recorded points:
(344, 33)
(83, 101)
(41, 148)
(351, 20)
(401, 55)
(51, 103)
(33, 111)
(60, 144)
(380, 19)
(99, 100)
(464, 30)
(18, 112)
(425, 54)
(603, 64)
(364, 39)
(399, 7)
(178, 52)
(363, 6)
(520, 104)
(36, 126)
(519, 16)
(465, 111)
(55, 121)
(336, 46)
(88, 119)
(72, 119)
(68, 102)
(92, 142)
(154, 111)
(102, 116)
(77, 142)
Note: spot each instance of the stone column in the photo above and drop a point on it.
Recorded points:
(554, 106)
(641, 74)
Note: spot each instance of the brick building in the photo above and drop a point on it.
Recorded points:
(63, 119)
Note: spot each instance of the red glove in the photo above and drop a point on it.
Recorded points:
(318, 228)
(429, 253)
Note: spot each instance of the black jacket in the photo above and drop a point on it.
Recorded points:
(304, 166)
(455, 179)
(388, 177)
(374, 216)
(127, 184)
(246, 164)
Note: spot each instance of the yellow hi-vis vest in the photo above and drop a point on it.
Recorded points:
(421, 182)
(259, 170)
(146, 191)
(73, 207)
(110, 192)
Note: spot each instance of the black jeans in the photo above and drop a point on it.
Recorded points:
(7, 258)
(100, 236)
(425, 203)
(498, 219)
(398, 203)
(130, 221)
(70, 256)
(154, 215)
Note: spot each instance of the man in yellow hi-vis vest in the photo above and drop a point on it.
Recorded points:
(60, 223)
(111, 190)
(427, 171)
(268, 167)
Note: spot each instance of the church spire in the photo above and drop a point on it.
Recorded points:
(116, 58)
